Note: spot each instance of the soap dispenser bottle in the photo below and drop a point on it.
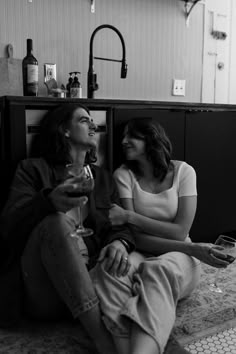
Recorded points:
(68, 86)
(76, 89)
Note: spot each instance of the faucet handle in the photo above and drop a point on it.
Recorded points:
(124, 69)
(94, 82)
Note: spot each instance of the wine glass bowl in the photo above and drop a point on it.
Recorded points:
(84, 183)
(229, 249)
(83, 180)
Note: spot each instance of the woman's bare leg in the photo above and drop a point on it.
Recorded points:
(141, 342)
(138, 343)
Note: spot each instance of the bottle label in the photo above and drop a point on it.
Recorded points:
(76, 92)
(32, 74)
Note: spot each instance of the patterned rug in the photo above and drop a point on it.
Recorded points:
(202, 314)
(205, 312)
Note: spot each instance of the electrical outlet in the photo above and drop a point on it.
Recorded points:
(178, 87)
(50, 72)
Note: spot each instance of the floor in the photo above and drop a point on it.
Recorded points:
(220, 343)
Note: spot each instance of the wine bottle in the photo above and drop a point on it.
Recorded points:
(30, 72)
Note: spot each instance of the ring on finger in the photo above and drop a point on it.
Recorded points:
(125, 259)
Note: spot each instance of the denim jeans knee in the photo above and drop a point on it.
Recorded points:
(59, 254)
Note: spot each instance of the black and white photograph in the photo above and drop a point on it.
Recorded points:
(117, 178)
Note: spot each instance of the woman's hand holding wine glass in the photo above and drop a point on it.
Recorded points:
(228, 248)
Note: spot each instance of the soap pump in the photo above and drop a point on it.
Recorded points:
(68, 86)
(76, 89)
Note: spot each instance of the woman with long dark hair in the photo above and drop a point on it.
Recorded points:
(38, 221)
(159, 198)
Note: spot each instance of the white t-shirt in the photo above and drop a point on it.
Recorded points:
(162, 206)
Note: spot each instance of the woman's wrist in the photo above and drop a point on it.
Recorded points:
(128, 215)
(190, 248)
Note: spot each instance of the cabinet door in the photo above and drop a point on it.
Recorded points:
(4, 170)
(172, 121)
(211, 150)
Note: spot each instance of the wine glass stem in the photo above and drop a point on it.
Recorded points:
(216, 277)
(80, 225)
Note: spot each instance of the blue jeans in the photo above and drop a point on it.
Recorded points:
(56, 279)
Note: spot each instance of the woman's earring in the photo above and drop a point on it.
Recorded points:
(67, 135)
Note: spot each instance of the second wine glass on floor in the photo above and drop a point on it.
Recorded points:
(229, 248)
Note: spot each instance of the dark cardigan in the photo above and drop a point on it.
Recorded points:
(27, 205)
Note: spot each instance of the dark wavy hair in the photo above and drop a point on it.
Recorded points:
(158, 145)
(52, 143)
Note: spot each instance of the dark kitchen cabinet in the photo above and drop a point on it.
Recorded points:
(211, 150)
(4, 171)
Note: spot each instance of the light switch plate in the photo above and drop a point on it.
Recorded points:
(178, 87)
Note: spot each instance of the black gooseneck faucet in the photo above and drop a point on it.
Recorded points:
(92, 76)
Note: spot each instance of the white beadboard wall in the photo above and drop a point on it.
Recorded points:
(159, 46)
(232, 66)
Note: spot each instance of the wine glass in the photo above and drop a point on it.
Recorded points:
(84, 185)
(229, 248)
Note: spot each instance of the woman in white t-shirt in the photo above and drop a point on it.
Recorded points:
(159, 200)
